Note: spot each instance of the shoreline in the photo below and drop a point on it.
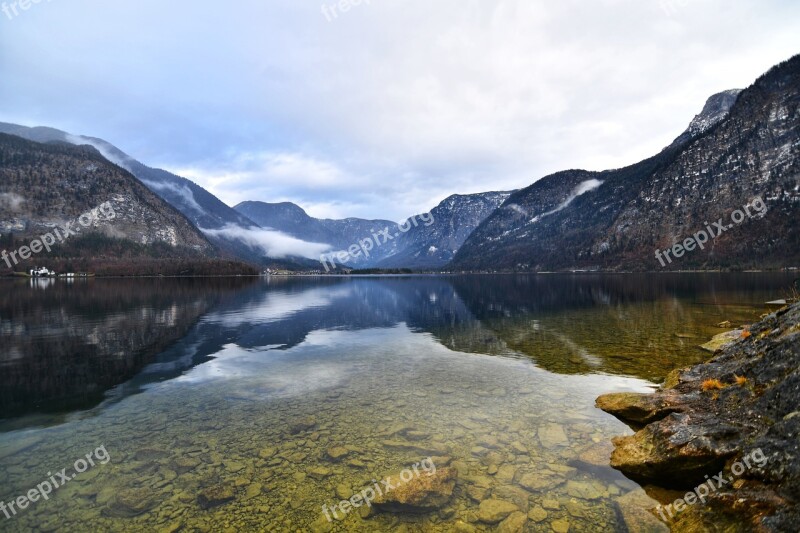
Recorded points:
(21, 275)
(706, 418)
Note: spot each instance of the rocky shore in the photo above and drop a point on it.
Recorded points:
(705, 420)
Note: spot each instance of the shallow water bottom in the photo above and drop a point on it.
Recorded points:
(263, 421)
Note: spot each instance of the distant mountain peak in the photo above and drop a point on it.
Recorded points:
(716, 109)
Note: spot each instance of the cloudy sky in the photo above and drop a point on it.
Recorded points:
(385, 109)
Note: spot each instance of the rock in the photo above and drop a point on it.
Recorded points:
(488, 441)
(543, 480)
(575, 509)
(233, 466)
(463, 527)
(215, 496)
(512, 494)
(552, 505)
(417, 435)
(633, 510)
(319, 472)
(150, 455)
(343, 492)
(552, 435)
(730, 407)
(183, 464)
(718, 342)
(639, 408)
(321, 525)
(418, 448)
(493, 511)
(173, 527)
(583, 490)
(506, 473)
(678, 450)
(561, 526)
(537, 513)
(268, 452)
(597, 455)
(477, 494)
(304, 424)
(337, 453)
(515, 523)
(128, 503)
(253, 490)
(422, 493)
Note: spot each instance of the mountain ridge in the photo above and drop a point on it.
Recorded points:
(655, 203)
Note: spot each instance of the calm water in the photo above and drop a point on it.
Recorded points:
(242, 388)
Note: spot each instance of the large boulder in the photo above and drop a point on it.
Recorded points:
(640, 408)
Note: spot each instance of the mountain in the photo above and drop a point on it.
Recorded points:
(204, 209)
(717, 109)
(732, 160)
(98, 216)
(432, 245)
(429, 242)
(292, 220)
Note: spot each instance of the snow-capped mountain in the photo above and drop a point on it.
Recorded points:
(433, 245)
(743, 148)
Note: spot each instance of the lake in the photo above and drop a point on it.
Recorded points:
(249, 404)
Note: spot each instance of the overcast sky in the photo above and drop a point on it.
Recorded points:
(383, 110)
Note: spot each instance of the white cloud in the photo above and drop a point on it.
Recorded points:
(394, 105)
(272, 243)
(181, 190)
(582, 188)
(103, 149)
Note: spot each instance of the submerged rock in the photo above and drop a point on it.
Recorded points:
(515, 523)
(337, 453)
(632, 510)
(304, 424)
(737, 408)
(215, 496)
(552, 435)
(128, 503)
(422, 493)
(493, 511)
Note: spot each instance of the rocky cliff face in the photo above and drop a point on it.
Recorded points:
(44, 187)
(432, 243)
(618, 219)
(715, 111)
